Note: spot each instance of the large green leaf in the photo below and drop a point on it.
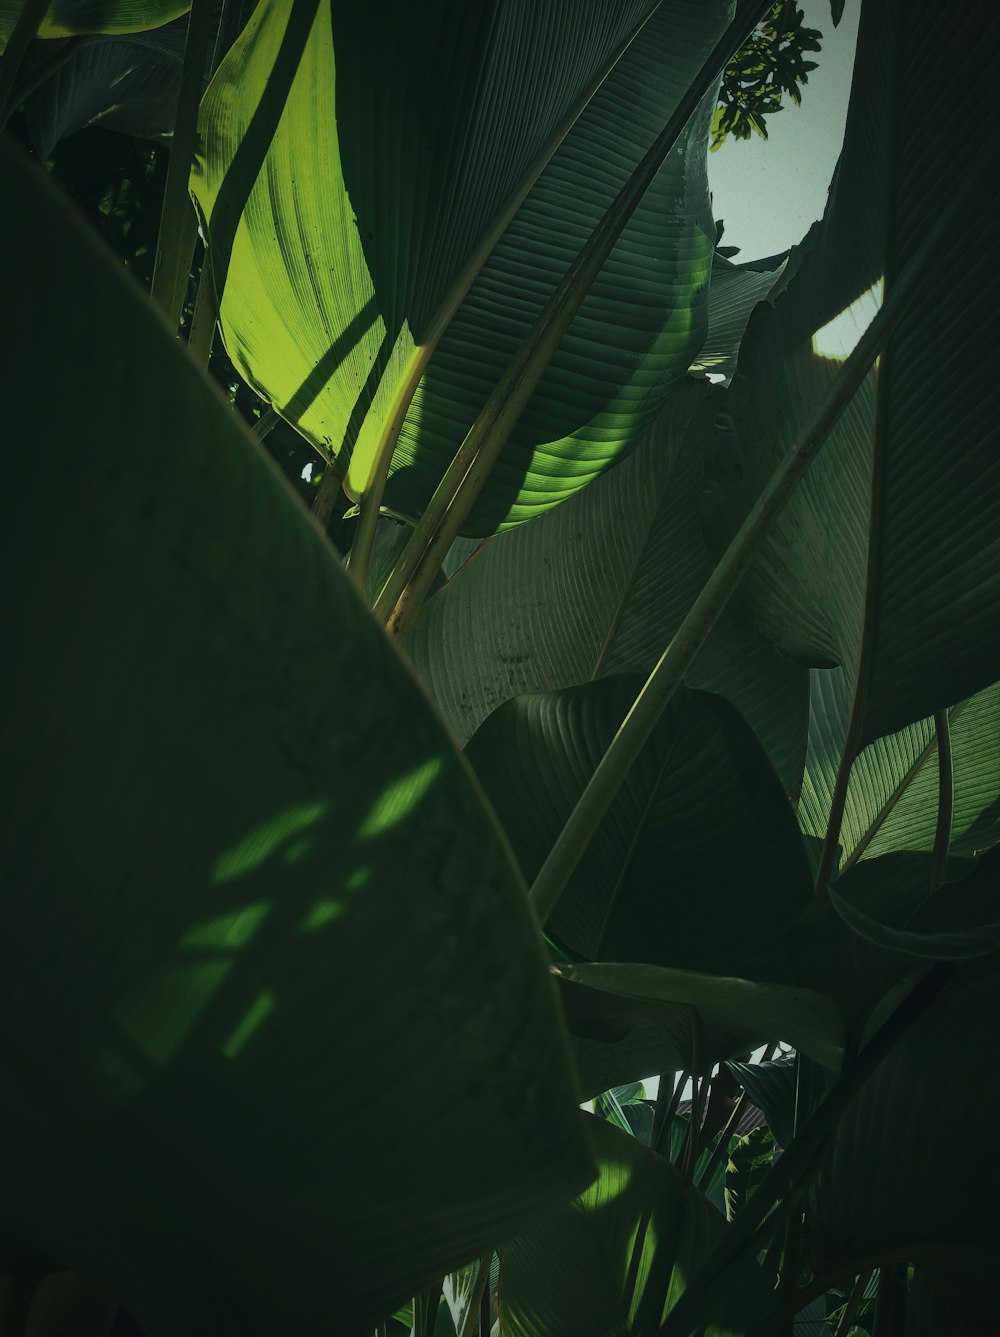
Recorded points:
(911, 476)
(65, 18)
(910, 1168)
(266, 967)
(355, 177)
(892, 799)
(698, 863)
(614, 1261)
(600, 586)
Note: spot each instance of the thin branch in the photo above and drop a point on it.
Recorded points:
(946, 801)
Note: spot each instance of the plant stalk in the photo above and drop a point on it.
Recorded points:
(456, 494)
(722, 1145)
(24, 33)
(664, 1111)
(946, 801)
(201, 335)
(694, 630)
(854, 1303)
(178, 230)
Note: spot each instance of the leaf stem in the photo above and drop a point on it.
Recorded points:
(946, 801)
(854, 1303)
(201, 335)
(696, 626)
(722, 1145)
(178, 230)
(463, 480)
(24, 33)
(664, 1111)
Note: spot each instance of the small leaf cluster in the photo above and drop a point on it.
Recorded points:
(769, 66)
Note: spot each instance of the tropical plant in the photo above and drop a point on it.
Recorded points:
(652, 728)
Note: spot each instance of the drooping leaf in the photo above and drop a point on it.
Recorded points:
(725, 1008)
(215, 772)
(961, 919)
(599, 586)
(342, 255)
(734, 293)
(894, 515)
(906, 1172)
(127, 83)
(65, 18)
(614, 1261)
(892, 800)
(698, 863)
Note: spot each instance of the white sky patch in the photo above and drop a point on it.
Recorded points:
(836, 340)
(307, 473)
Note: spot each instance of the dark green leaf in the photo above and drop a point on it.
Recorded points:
(698, 863)
(923, 427)
(238, 1045)
(614, 1261)
(67, 17)
(771, 1087)
(600, 586)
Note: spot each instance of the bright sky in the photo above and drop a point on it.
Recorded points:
(770, 191)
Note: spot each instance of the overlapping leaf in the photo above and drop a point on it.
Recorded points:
(913, 463)
(600, 586)
(961, 919)
(892, 800)
(698, 863)
(215, 772)
(125, 83)
(614, 1261)
(65, 18)
(347, 208)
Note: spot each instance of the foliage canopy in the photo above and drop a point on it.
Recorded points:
(629, 705)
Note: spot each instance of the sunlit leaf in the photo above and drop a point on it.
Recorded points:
(348, 208)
